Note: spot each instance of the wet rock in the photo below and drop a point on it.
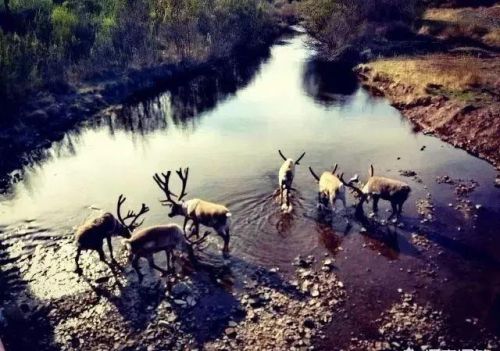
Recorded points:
(407, 173)
(230, 332)
(181, 289)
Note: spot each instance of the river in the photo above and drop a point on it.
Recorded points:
(227, 128)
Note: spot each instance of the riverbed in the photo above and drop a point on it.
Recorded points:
(227, 128)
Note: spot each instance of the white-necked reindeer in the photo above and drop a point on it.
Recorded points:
(199, 211)
(148, 241)
(330, 190)
(90, 235)
(376, 187)
(285, 179)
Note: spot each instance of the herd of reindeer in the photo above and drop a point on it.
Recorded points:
(172, 238)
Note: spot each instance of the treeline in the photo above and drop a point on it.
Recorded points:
(46, 43)
(342, 24)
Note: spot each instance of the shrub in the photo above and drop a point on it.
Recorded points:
(338, 24)
(51, 38)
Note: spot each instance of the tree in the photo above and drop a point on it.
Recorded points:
(6, 5)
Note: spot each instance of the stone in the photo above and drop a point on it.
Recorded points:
(231, 332)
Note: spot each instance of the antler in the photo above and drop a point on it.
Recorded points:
(282, 156)
(121, 200)
(300, 158)
(130, 214)
(313, 174)
(133, 225)
(335, 168)
(184, 178)
(163, 185)
(349, 184)
(200, 240)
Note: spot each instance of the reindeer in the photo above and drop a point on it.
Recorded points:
(90, 235)
(168, 238)
(199, 211)
(285, 178)
(330, 189)
(392, 190)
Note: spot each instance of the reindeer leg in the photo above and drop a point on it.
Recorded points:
(375, 203)
(281, 194)
(224, 233)
(102, 257)
(153, 265)
(168, 259)
(332, 206)
(135, 264)
(78, 269)
(400, 209)
(184, 226)
(394, 210)
(110, 247)
(197, 229)
(346, 213)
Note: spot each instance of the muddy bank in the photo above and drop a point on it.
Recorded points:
(472, 127)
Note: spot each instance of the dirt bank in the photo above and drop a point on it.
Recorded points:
(466, 117)
(452, 92)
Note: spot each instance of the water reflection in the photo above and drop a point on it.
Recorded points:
(183, 104)
(327, 83)
(180, 106)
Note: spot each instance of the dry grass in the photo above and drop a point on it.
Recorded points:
(451, 73)
(493, 38)
(482, 24)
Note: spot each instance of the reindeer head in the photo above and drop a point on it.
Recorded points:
(291, 160)
(315, 176)
(350, 184)
(176, 207)
(125, 230)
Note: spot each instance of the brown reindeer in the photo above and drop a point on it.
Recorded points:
(168, 238)
(199, 211)
(90, 235)
(376, 187)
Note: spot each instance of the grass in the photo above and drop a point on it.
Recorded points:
(462, 77)
(481, 24)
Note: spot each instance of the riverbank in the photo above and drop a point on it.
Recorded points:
(452, 96)
(453, 93)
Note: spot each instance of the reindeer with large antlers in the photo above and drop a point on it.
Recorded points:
(376, 187)
(91, 235)
(199, 211)
(285, 179)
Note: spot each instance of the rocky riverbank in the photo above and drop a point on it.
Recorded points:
(204, 306)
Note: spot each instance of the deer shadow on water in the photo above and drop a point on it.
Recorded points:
(387, 239)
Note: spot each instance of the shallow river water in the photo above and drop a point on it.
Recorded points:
(227, 127)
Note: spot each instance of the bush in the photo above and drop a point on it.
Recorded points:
(339, 24)
(48, 39)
